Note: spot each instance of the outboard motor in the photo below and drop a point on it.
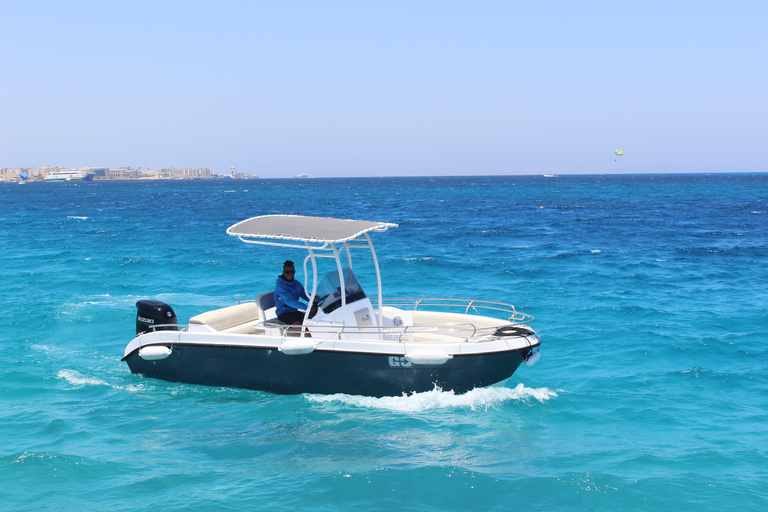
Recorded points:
(153, 313)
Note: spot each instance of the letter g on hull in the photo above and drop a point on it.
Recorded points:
(399, 362)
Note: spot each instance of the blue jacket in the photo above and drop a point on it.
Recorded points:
(287, 294)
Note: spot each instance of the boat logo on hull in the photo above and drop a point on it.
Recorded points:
(399, 362)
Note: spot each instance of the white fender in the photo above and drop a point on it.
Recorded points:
(297, 347)
(531, 359)
(428, 357)
(154, 352)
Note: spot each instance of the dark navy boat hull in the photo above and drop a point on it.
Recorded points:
(324, 372)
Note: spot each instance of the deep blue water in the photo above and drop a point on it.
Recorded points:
(649, 293)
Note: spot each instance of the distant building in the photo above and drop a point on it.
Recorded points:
(203, 172)
(241, 175)
(11, 174)
(122, 173)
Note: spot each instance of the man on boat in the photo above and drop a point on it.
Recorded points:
(288, 291)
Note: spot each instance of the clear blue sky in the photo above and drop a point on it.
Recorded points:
(373, 88)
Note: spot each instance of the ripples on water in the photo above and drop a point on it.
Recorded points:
(649, 293)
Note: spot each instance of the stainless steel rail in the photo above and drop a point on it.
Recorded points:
(468, 305)
(464, 330)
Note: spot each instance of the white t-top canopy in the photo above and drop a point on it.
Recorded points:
(299, 228)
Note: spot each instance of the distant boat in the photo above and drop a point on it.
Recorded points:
(304, 176)
(550, 175)
(69, 176)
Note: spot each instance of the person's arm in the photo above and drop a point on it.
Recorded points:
(283, 293)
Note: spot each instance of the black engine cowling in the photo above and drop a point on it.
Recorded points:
(153, 313)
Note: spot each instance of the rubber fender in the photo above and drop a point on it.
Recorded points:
(532, 358)
(297, 347)
(428, 357)
(154, 352)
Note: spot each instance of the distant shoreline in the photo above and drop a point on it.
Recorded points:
(550, 177)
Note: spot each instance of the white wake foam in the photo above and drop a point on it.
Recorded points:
(77, 379)
(481, 398)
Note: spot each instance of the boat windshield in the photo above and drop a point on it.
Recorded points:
(329, 290)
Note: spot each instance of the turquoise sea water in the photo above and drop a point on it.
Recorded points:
(649, 293)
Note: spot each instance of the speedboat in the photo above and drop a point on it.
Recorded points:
(353, 344)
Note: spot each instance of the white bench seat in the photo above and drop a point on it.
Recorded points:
(237, 319)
